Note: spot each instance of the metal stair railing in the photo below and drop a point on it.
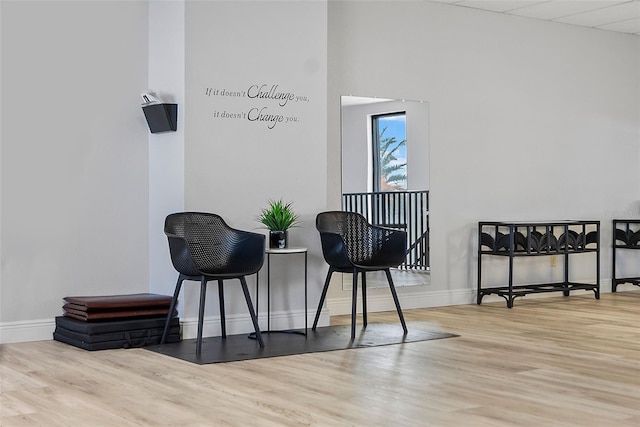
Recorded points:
(406, 210)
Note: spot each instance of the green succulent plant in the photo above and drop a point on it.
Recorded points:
(278, 216)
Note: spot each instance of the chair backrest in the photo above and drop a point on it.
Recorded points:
(348, 238)
(203, 244)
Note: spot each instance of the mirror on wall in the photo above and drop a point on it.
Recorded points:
(385, 176)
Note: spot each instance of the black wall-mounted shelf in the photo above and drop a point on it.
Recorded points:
(626, 235)
(524, 239)
(161, 117)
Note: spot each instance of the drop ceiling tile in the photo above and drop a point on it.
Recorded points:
(497, 5)
(604, 16)
(562, 8)
(631, 26)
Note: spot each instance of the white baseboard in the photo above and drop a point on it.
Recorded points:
(338, 306)
(28, 330)
(42, 329)
(240, 324)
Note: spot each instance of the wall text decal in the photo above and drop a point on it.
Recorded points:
(274, 110)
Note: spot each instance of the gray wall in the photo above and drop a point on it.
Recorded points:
(234, 165)
(74, 199)
(528, 120)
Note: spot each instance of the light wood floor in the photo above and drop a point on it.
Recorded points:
(547, 362)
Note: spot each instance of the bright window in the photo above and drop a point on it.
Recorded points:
(389, 151)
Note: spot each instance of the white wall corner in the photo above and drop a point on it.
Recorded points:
(166, 76)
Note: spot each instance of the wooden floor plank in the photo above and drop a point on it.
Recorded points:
(552, 361)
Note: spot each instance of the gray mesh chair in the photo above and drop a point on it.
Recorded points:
(351, 245)
(204, 248)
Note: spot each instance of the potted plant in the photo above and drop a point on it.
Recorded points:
(278, 217)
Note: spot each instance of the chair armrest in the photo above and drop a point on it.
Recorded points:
(389, 247)
(181, 257)
(247, 252)
(334, 250)
(238, 253)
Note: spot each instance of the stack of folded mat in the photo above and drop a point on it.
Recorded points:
(116, 321)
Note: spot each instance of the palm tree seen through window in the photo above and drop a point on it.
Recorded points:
(389, 151)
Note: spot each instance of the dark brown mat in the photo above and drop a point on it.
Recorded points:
(119, 301)
(241, 347)
(93, 315)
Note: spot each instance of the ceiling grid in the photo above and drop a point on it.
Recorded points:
(621, 16)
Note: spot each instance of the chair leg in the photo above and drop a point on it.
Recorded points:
(172, 307)
(223, 322)
(322, 297)
(203, 292)
(354, 297)
(395, 300)
(364, 299)
(252, 312)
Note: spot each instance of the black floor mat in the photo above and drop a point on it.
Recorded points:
(241, 347)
